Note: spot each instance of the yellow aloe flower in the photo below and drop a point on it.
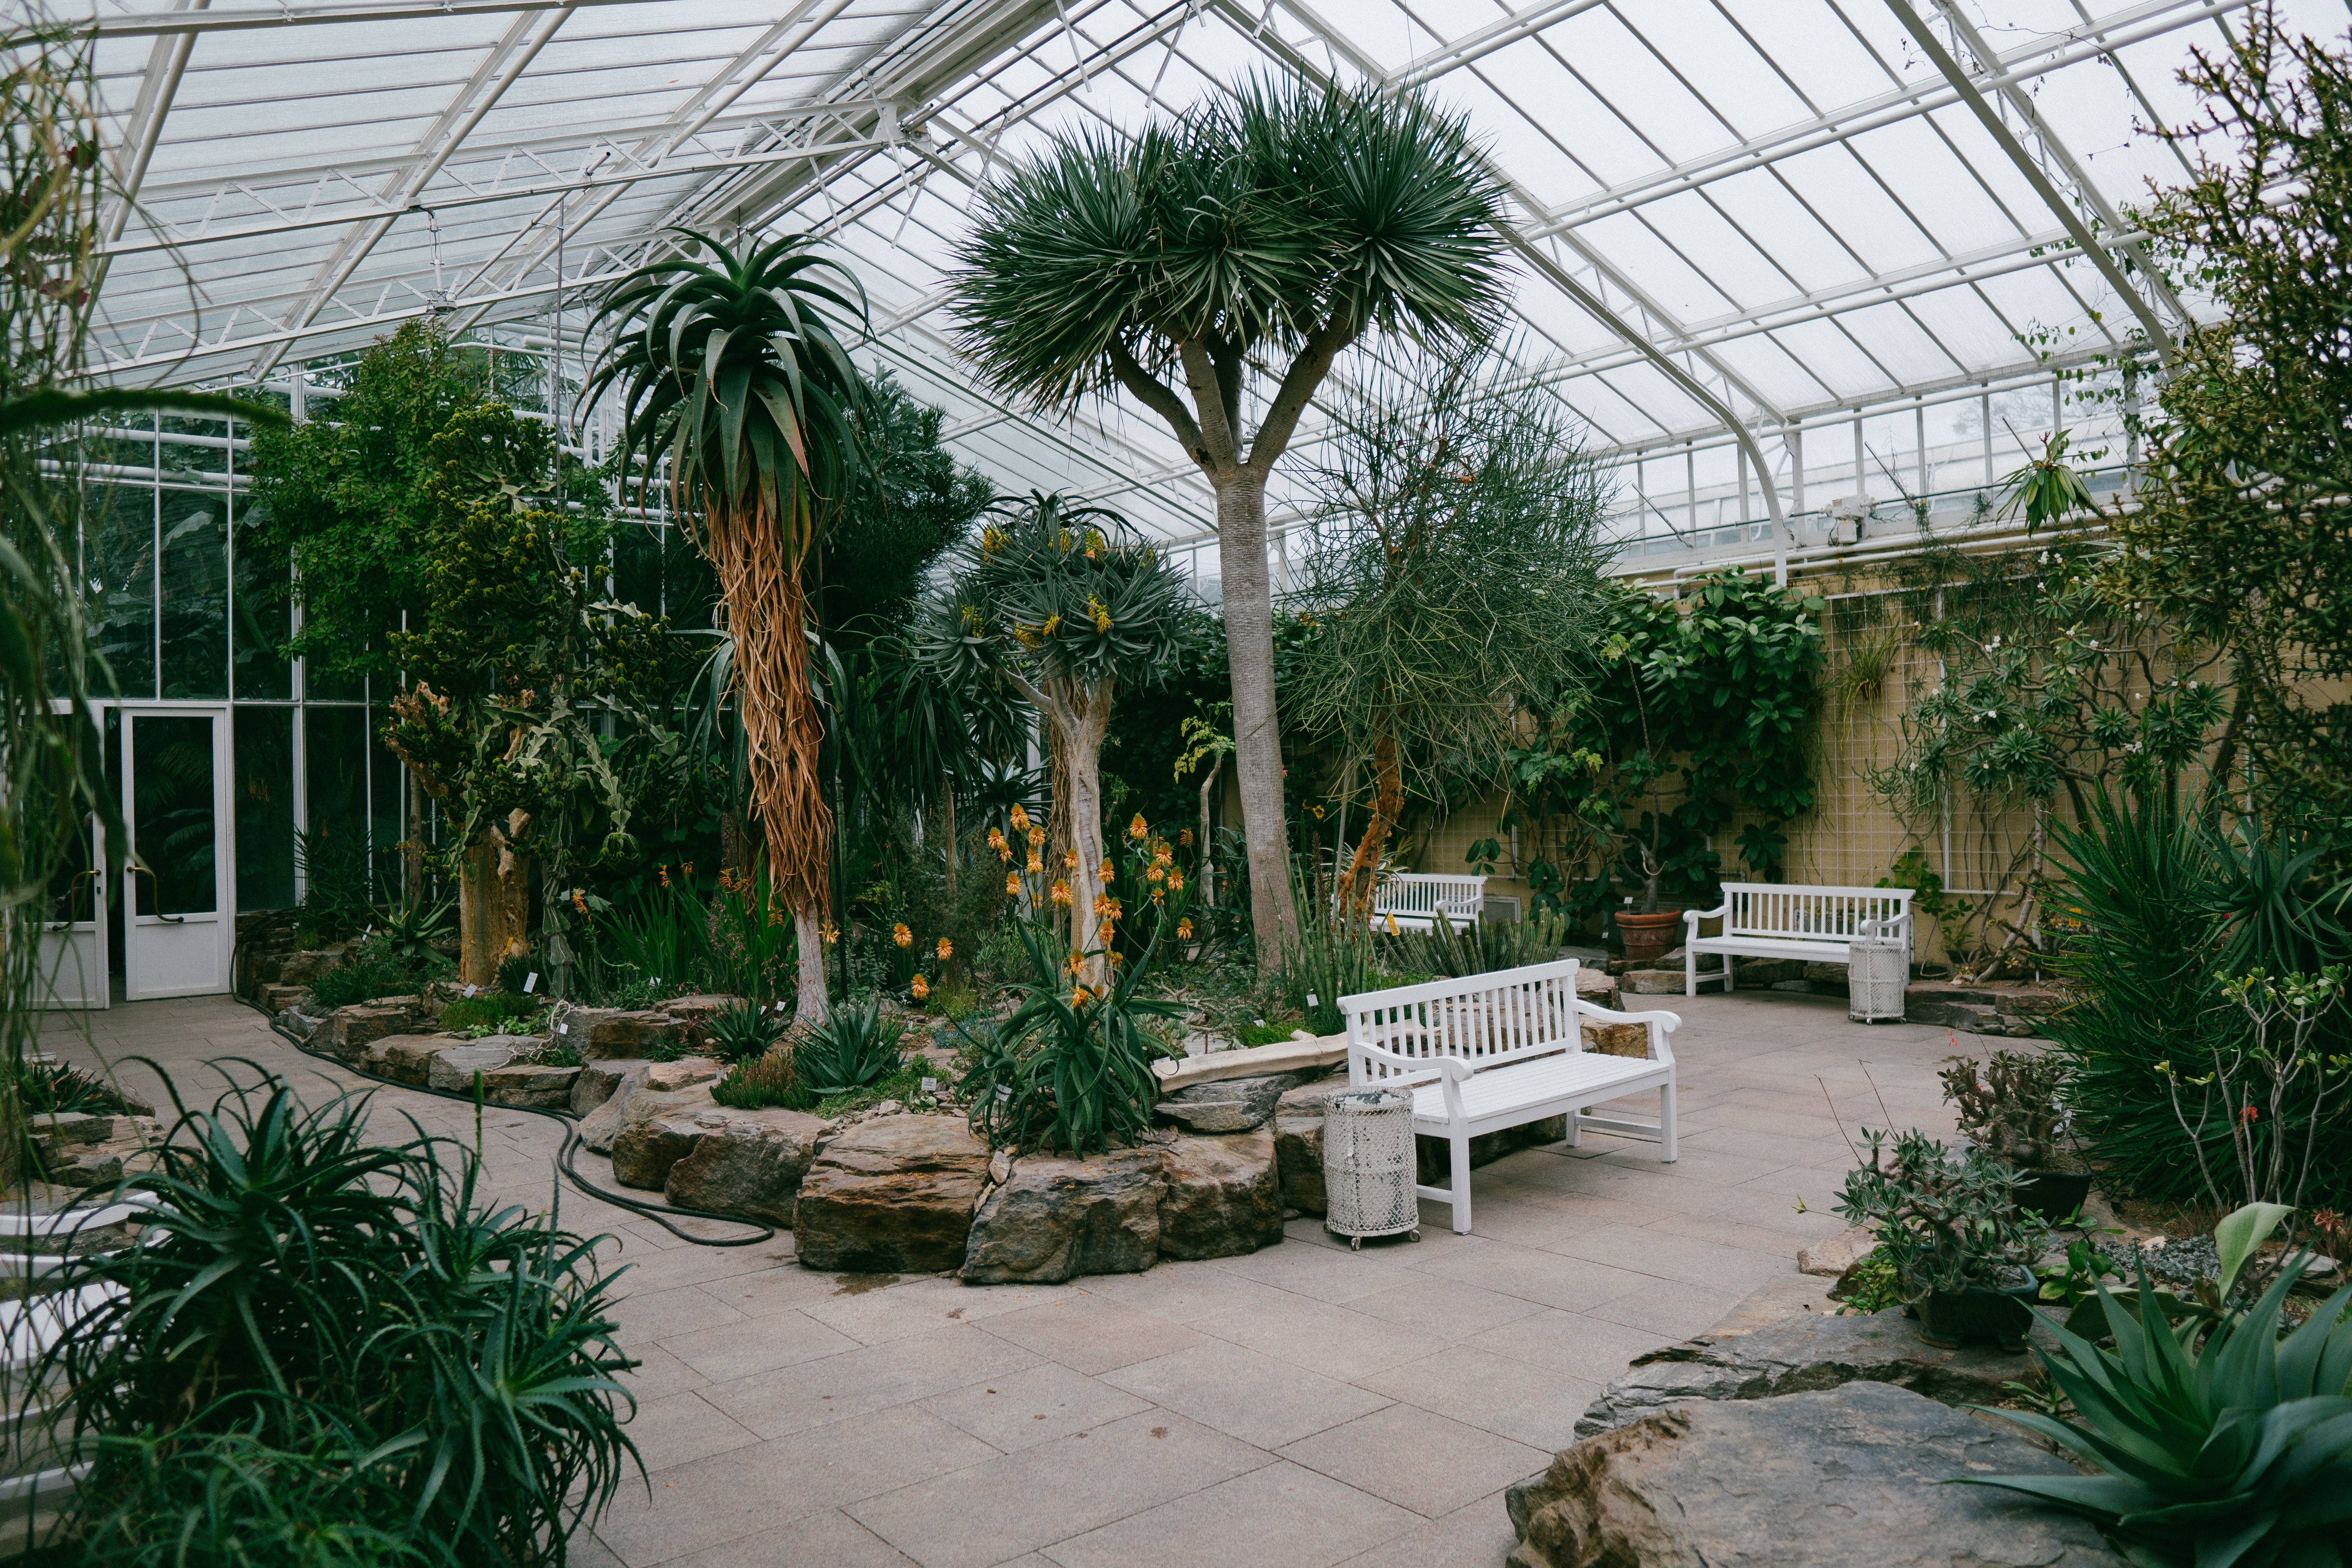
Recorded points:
(1062, 894)
(920, 989)
(901, 935)
(946, 949)
(1138, 829)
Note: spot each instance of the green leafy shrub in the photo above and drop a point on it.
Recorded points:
(373, 970)
(743, 1031)
(493, 1007)
(2235, 1451)
(1272, 1033)
(1874, 1285)
(763, 1081)
(1068, 1071)
(2162, 912)
(1480, 947)
(901, 1085)
(58, 1089)
(1946, 1225)
(325, 1335)
(853, 1049)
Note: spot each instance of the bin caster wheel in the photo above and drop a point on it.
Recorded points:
(1356, 1245)
(1412, 1235)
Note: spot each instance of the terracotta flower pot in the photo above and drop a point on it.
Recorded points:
(1650, 937)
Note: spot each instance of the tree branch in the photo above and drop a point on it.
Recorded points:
(1226, 355)
(1159, 397)
(1221, 439)
(1298, 384)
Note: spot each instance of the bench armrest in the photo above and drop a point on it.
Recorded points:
(1661, 1024)
(1451, 1071)
(1897, 925)
(1692, 917)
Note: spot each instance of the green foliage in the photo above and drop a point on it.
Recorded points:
(1947, 1225)
(1268, 1034)
(414, 935)
(1874, 1285)
(1950, 913)
(1480, 947)
(1273, 220)
(853, 1047)
(1334, 955)
(2239, 534)
(2009, 1107)
(55, 1089)
(2160, 912)
(371, 969)
(429, 1375)
(2239, 1451)
(661, 932)
(1452, 571)
(339, 890)
(2046, 489)
(752, 946)
(1717, 687)
(744, 1031)
(912, 504)
(1068, 1071)
(2042, 684)
(763, 1081)
(734, 371)
(493, 1008)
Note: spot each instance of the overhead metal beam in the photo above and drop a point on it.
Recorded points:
(2006, 140)
(296, 14)
(1480, 42)
(2020, 103)
(2053, 52)
(499, 70)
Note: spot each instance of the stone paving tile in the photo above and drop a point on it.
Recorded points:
(1325, 1273)
(747, 1490)
(771, 1291)
(1443, 1310)
(1501, 1394)
(991, 1510)
(660, 1314)
(1336, 1342)
(1670, 1310)
(1417, 1458)
(1546, 1278)
(1588, 1349)
(921, 1306)
(1640, 1250)
(733, 1350)
(862, 1382)
(827, 1539)
(681, 1428)
(1037, 1405)
(659, 1374)
(1183, 1291)
(1250, 1395)
(1475, 1535)
(1281, 1516)
(1089, 1333)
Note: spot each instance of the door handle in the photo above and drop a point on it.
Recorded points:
(174, 919)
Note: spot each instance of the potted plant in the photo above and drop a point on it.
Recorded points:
(1650, 931)
(1953, 1229)
(2009, 1107)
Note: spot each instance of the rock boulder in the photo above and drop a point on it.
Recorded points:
(1809, 1351)
(1232, 1105)
(658, 1129)
(347, 1032)
(405, 1058)
(751, 1165)
(1845, 1478)
(892, 1195)
(1054, 1219)
(1224, 1198)
(624, 1035)
(598, 1128)
(1299, 1152)
(597, 1081)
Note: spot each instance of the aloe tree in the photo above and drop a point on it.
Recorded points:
(1065, 604)
(1274, 224)
(734, 371)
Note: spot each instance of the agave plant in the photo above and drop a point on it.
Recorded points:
(855, 1047)
(734, 371)
(2235, 1452)
(744, 1031)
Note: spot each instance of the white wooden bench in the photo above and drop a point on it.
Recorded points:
(1411, 900)
(1502, 1050)
(1775, 920)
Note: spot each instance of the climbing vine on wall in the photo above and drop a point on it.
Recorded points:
(1698, 713)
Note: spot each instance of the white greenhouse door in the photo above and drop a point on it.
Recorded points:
(179, 922)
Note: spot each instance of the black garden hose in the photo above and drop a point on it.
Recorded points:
(565, 1156)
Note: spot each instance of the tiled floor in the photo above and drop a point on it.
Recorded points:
(1303, 1406)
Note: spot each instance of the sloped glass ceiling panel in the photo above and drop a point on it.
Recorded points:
(1780, 220)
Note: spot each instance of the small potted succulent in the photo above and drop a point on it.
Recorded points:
(2010, 1107)
(1952, 1228)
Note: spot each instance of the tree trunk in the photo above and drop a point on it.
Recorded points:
(493, 905)
(767, 615)
(1080, 720)
(808, 938)
(1257, 740)
(1357, 887)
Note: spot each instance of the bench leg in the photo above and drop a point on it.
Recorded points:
(1690, 972)
(1666, 1124)
(1729, 984)
(1461, 1184)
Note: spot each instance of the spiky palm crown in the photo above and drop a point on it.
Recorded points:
(1263, 215)
(736, 369)
(1056, 593)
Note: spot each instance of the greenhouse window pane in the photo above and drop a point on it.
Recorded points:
(265, 808)
(117, 562)
(194, 640)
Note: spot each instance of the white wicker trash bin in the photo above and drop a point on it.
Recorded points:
(1367, 1164)
(1877, 969)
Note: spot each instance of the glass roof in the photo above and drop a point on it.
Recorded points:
(1880, 225)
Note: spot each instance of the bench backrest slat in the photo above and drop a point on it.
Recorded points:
(1773, 909)
(1485, 1019)
(1427, 893)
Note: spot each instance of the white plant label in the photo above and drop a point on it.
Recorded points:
(471, 989)
(562, 1028)
(1312, 1001)
(1004, 1092)
(531, 983)
(931, 1085)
